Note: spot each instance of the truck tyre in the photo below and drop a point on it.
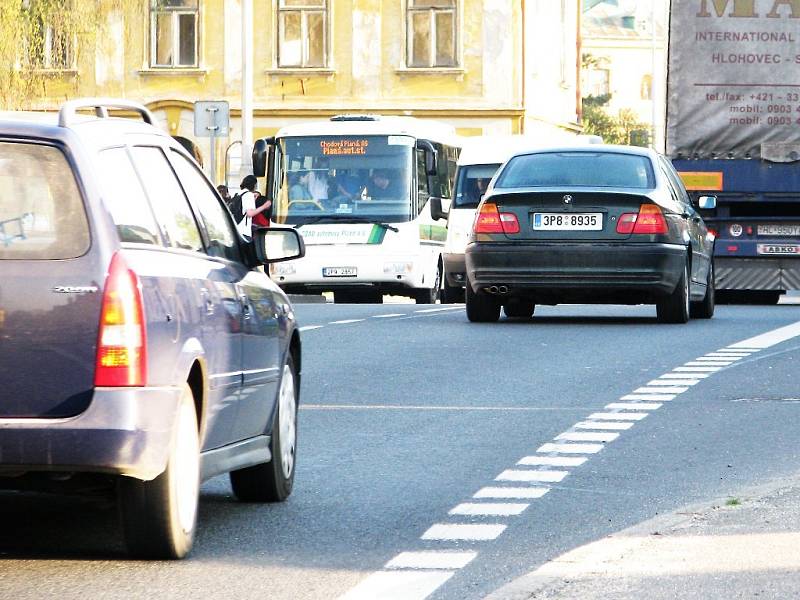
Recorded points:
(482, 308)
(675, 307)
(159, 516)
(273, 481)
(705, 308)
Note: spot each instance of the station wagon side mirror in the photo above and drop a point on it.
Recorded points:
(261, 151)
(707, 202)
(437, 210)
(277, 244)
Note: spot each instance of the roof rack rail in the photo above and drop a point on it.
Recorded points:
(101, 105)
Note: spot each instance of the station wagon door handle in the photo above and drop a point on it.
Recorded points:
(207, 301)
(245, 306)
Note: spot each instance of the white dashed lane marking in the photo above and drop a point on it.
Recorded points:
(552, 461)
(634, 405)
(532, 476)
(310, 327)
(346, 321)
(488, 510)
(511, 493)
(697, 375)
(604, 425)
(580, 436)
(431, 560)
(667, 382)
(399, 585)
(653, 397)
(460, 531)
(570, 448)
(619, 416)
(660, 389)
(388, 316)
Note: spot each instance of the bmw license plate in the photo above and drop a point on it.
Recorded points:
(339, 272)
(568, 221)
(778, 249)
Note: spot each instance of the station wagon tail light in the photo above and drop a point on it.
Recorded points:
(490, 220)
(121, 342)
(649, 220)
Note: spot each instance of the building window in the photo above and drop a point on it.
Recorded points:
(303, 33)
(431, 33)
(49, 34)
(173, 33)
(598, 82)
(647, 87)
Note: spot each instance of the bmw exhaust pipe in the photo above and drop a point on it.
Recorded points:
(493, 289)
(502, 289)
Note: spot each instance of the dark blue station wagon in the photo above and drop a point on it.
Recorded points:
(141, 346)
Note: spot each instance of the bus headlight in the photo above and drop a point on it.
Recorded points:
(397, 268)
(280, 269)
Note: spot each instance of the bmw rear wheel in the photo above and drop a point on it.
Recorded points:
(705, 308)
(481, 307)
(675, 307)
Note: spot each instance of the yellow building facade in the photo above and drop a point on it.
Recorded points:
(484, 66)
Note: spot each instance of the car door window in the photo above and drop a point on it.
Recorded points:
(676, 181)
(125, 199)
(167, 199)
(222, 239)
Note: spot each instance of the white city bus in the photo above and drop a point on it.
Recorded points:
(367, 194)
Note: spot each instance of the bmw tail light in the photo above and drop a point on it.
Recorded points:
(649, 220)
(490, 220)
(121, 342)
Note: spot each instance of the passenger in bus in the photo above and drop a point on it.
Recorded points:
(318, 183)
(298, 190)
(348, 185)
(383, 186)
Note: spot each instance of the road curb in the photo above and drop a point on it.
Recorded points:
(586, 565)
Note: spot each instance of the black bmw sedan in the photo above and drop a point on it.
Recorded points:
(604, 225)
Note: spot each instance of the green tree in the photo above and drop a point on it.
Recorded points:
(39, 39)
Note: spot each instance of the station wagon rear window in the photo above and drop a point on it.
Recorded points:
(42, 216)
(578, 169)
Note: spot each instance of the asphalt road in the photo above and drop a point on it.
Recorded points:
(407, 415)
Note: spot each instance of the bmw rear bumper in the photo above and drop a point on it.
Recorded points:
(125, 431)
(572, 270)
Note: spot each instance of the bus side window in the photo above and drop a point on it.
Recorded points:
(423, 192)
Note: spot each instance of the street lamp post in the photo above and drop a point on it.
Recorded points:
(246, 167)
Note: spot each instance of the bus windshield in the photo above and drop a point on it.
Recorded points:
(330, 179)
(472, 183)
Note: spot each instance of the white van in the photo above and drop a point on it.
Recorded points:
(480, 158)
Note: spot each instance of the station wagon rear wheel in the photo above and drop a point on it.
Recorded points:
(482, 308)
(675, 307)
(273, 481)
(159, 516)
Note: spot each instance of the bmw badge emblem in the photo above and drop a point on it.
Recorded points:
(567, 199)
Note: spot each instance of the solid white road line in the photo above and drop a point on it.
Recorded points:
(398, 585)
(538, 476)
(765, 340)
(570, 448)
(504, 509)
(346, 321)
(310, 327)
(389, 315)
(619, 416)
(653, 397)
(431, 560)
(696, 375)
(633, 405)
(458, 531)
(581, 436)
(516, 493)
(660, 389)
(603, 425)
(552, 461)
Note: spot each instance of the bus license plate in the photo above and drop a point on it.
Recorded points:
(568, 221)
(777, 249)
(788, 230)
(339, 272)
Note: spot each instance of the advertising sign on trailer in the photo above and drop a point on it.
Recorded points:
(734, 79)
